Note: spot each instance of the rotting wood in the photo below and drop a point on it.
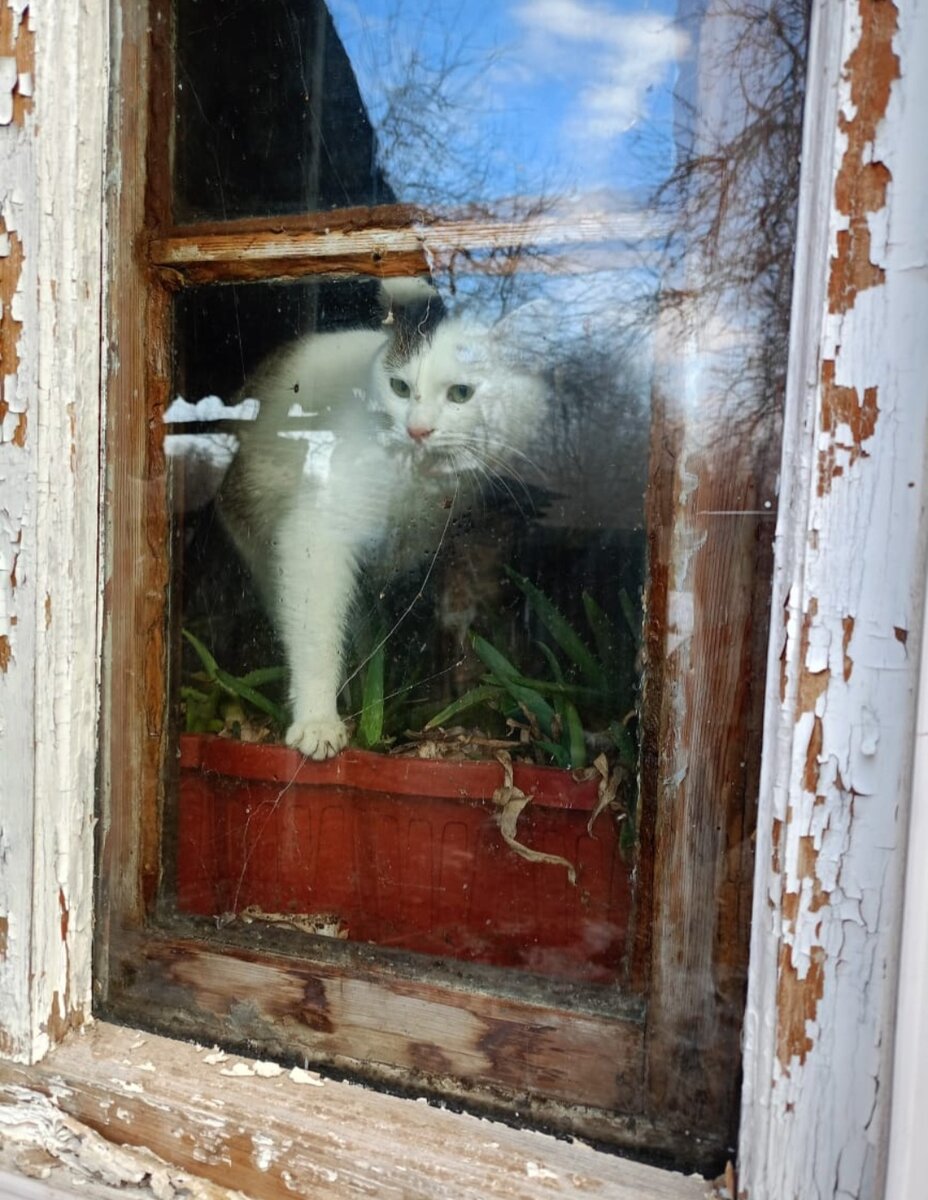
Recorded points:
(396, 1029)
(12, 417)
(65, 1157)
(274, 1133)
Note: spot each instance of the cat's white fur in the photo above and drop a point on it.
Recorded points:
(399, 466)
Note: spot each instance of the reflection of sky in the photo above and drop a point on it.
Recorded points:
(481, 98)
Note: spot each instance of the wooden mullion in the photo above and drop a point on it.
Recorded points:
(382, 242)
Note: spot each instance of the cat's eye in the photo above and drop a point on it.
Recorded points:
(459, 393)
(400, 387)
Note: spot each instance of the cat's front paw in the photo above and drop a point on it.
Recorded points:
(318, 739)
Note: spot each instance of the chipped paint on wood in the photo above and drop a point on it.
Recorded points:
(11, 265)
(848, 421)
(850, 573)
(17, 59)
(871, 69)
(51, 164)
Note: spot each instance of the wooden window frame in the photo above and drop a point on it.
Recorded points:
(843, 484)
(645, 1068)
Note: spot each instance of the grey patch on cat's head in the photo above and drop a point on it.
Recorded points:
(413, 325)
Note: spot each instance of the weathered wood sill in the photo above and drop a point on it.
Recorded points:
(221, 1127)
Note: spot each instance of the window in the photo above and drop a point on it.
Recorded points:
(587, 211)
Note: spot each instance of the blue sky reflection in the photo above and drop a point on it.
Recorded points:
(495, 98)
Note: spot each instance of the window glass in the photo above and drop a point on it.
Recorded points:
(410, 511)
(471, 498)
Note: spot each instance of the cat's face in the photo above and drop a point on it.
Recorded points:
(456, 401)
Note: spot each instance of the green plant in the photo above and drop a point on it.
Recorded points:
(584, 704)
(216, 701)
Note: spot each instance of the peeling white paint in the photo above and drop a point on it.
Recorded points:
(48, 523)
(849, 575)
(265, 1152)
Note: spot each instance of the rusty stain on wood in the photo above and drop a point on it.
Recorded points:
(4, 935)
(843, 409)
(17, 42)
(901, 635)
(861, 183)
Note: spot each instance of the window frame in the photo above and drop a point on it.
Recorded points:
(656, 1076)
(46, 968)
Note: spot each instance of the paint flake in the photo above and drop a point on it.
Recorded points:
(862, 183)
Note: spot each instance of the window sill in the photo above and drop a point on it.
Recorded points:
(276, 1134)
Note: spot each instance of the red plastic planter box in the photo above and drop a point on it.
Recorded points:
(404, 853)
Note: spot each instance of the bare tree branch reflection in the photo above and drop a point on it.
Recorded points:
(732, 196)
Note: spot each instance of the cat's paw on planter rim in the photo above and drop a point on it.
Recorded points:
(318, 739)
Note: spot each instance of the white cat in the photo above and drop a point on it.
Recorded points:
(366, 443)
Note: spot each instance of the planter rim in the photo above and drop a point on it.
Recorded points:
(365, 770)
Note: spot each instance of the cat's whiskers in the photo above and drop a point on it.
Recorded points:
(496, 469)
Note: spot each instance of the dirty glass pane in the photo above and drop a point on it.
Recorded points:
(411, 533)
(446, 543)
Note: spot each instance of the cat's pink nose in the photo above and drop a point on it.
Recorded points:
(418, 434)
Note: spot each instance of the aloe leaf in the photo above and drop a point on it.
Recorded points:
(209, 663)
(498, 663)
(573, 737)
(236, 687)
(574, 690)
(264, 675)
(532, 702)
(560, 629)
(370, 726)
(605, 634)
(486, 693)
(552, 662)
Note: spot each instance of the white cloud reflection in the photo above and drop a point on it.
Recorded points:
(620, 56)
